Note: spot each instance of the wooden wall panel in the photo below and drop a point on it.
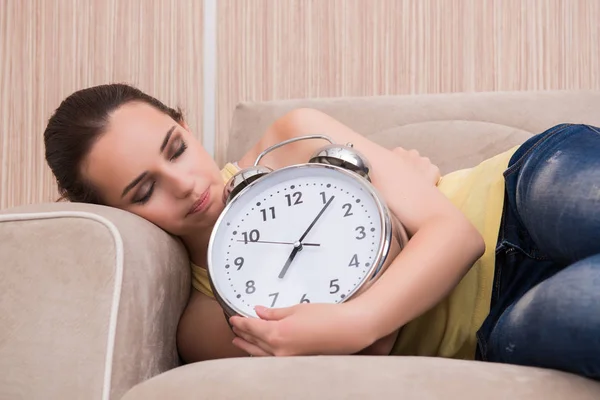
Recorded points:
(320, 48)
(49, 48)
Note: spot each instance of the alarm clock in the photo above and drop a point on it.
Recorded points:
(316, 232)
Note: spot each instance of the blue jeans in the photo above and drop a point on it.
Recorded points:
(546, 292)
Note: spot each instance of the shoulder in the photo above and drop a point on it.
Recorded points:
(294, 123)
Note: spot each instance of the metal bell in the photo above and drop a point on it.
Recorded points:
(345, 157)
(242, 179)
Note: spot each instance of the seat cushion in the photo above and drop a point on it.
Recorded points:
(362, 377)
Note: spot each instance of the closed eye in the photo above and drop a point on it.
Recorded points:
(180, 150)
(144, 199)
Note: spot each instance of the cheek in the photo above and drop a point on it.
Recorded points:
(201, 163)
(161, 212)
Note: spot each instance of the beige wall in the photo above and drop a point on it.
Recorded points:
(275, 49)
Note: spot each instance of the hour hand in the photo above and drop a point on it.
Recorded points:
(286, 266)
(298, 245)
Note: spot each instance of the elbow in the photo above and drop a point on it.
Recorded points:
(479, 245)
(474, 242)
(298, 121)
(462, 234)
(464, 237)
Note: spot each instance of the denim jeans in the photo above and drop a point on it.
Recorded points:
(545, 308)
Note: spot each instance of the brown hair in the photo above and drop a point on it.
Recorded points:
(77, 123)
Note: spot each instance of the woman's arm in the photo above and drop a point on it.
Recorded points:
(443, 246)
(203, 332)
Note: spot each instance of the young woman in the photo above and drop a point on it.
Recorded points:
(503, 261)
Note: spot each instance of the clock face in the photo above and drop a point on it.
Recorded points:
(306, 233)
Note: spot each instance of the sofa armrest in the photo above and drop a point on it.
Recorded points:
(90, 301)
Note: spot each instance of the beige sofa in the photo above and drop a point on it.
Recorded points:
(90, 296)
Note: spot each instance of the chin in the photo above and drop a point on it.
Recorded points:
(178, 231)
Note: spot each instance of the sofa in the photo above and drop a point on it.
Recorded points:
(90, 296)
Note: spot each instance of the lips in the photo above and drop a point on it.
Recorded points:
(200, 204)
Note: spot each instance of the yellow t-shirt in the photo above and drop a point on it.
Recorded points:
(448, 329)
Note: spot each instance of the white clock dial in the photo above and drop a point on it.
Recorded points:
(301, 234)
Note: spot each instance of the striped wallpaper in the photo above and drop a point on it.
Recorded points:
(273, 49)
(49, 48)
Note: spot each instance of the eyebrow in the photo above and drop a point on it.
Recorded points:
(137, 180)
(166, 139)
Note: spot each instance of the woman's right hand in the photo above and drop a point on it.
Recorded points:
(423, 165)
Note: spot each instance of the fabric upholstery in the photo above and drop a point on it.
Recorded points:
(90, 301)
(454, 130)
(361, 377)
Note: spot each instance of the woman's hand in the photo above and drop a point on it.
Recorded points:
(303, 329)
(422, 165)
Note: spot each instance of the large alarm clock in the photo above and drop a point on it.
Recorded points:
(316, 232)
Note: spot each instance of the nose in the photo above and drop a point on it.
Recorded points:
(181, 184)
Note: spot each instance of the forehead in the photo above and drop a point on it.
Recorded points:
(130, 146)
(135, 121)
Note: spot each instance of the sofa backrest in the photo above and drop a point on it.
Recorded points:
(454, 130)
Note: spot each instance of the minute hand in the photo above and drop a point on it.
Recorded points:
(298, 244)
(316, 219)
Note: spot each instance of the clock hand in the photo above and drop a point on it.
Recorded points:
(316, 219)
(272, 242)
(298, 244)
(297, 247)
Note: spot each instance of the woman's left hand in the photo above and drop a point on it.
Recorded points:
(422, 165)
(303, 329)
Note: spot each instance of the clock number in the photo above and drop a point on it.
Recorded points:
(250, 288)
(264, 213)
(239, 262)
(253, 236)
(362, 233)
(347, 206)
(297, 198)
(274, 298)
(304, 299)
(324, 198)
(334, 286)
(354, 262)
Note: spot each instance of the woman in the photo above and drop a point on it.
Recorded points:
(503, 261)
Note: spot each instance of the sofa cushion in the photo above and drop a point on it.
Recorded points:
(455, 130)
(362, 377)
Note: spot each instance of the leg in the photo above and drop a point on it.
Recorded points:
(557, 195)
(553, 224)
(556, 324)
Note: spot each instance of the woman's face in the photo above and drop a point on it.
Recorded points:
(150, 165)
